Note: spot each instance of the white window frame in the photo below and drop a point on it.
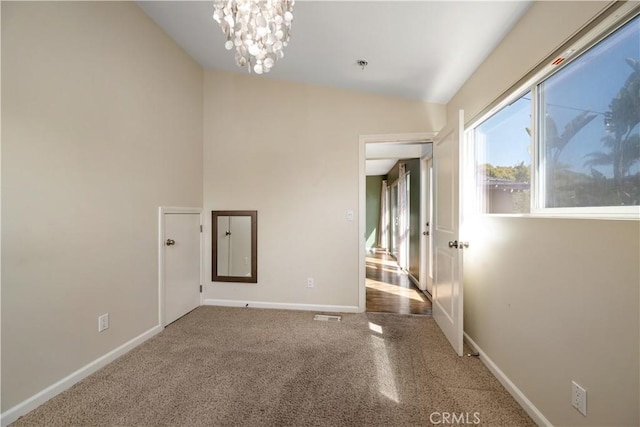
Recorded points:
(601, 31)
(474, 201)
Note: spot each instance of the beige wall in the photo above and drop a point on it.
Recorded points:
(290, 151)
(101, 124)
(553, 300)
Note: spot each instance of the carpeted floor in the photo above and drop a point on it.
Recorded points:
(250, 367)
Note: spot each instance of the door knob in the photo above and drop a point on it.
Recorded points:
(170, 242)
(460, 245)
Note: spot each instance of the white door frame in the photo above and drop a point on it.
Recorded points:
(426, 206)
(394, 214)
(403, 237)
(362, 193)
(162, 210)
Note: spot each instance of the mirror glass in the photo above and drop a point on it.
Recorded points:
(234, 246)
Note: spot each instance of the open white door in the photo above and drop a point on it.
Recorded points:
(447, 256)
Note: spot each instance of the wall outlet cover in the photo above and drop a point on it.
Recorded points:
(579, 398)
(103, 322)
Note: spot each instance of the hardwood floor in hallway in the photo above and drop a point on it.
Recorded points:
(389, 290)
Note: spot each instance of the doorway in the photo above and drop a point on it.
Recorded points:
(392, 270)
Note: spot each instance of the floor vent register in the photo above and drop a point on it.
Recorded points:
(327, 318)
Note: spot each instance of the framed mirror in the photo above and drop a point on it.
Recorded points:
(234, 246)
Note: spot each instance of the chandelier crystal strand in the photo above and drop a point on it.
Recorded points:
(258, 29)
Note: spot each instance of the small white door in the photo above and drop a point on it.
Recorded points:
(426, 193)
(447, 256)
(181, 264)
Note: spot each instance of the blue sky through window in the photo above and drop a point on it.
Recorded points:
(590, 83)
(508, 142)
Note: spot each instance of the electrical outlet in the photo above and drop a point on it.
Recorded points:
(579, 398)
(310, 283)
(103, 322)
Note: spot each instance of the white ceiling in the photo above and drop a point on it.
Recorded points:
(421, 50)
(381, 157)
(379, 167)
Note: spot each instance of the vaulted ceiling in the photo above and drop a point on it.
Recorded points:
(421, 50)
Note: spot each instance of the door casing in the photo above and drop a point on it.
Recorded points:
(426, 206)
(363, 140)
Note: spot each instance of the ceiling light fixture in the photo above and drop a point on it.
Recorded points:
(259, 30)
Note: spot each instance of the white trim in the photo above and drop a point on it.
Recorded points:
(179, 210)
(517, 394)
(421, 137)
(282, 305)
(41, 397)
(404, 138)
(413, 279)
(162, 210)
(422, 229)
(595, 212)
(362, 220)
(568, 215)
(416, 282)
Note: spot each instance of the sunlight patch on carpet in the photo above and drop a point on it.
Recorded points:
(375, 328)
(384, 370)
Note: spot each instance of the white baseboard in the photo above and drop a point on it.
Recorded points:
(413, 279)
(283, 305)
(517, 394)
(38, 399)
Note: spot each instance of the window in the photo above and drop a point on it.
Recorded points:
(588, 121)
(503, 159)
(578, 150)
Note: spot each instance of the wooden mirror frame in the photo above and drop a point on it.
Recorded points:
(254, 247)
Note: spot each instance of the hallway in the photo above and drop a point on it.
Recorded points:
(389, 290)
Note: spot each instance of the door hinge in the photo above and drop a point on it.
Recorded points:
(201, 228)
(200, 288)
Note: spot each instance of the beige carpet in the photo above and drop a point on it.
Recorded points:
(251, 367)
